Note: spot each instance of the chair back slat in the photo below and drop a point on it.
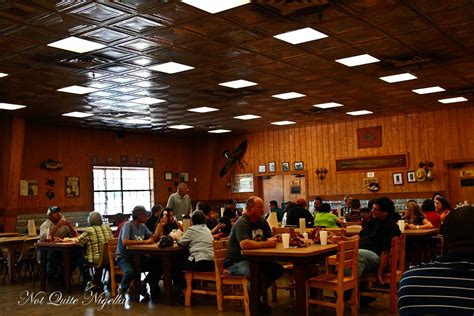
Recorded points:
(347, 257)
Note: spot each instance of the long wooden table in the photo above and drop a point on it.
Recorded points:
(168, 255)
(421, 232)
(12, 244)
(301, 259)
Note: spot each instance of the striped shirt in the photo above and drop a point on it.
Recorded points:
(94, 238)
(442, 287)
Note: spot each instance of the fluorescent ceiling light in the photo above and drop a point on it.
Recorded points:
(428, 90)
(361, 112)
(2, 74)
(453, 100)
(288, 95)
(215, 6)
(357, 60)
(148, 101)
(220, 131)
(77, 45)
(170, 67)
(142, 61)
(77, 114)
(247, 117)
(397, 78)
(236, 84)
(203, 109)
(10, 106)
(283, 123)
(182, 126)
(77, 89)
(300, 36)
(135, 121)
(327, 105)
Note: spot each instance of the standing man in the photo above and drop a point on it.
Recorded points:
(251, 231)
(347, 206)
(274, 208)
(180, 202)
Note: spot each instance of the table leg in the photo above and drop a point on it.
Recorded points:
(43, 259)
(168, 279)
(299, 274)
(67, 269)
(136, 281)
(11, 264)
(254, 287)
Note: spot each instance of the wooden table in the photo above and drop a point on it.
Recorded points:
(9, 234)
(419, 245)
(300, 257)
(67, 248)
(168, 255)
(421, 232)
(12, 244)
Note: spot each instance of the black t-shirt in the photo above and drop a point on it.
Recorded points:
(377, 235)
(297, 212)
(229, 213)
(244, 229)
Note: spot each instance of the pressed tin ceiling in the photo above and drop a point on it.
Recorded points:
(430, 39)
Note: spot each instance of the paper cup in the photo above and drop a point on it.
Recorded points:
(323, 236)
(401, 225)
(285, 238)
(222, 211)
(302, 225)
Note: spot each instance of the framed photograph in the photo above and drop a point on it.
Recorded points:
(411, 176)
(271, 167)
(285, 166)
(183, 177)
(151, 162)
(168, 176)
(139, 161)
(299, 165)
(242, 183)
(28, 187)
(72, 186)
(94, 159)
(108, 160)
(397, 178)
(261, 168)
(124, 160)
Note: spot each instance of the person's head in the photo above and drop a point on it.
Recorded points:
(273, 204)
(428, 206)
(383, 208)
(139, 214)
(301, 202)
(231, 204)
(325, 208)
(413, 211)
(94, 219)
(206, 209)
(156, 210)
(182, 189)
(370, 204)
(54, 214)
(457, 232)
(255, 208)
(441, 204)
(317, 202)
(165, 215)
(436, 195)
(288, 205)
(355, 204)
(198, 217)
(347, 200)
(120, 218)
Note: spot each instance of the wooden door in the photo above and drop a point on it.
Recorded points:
(461, 182)
(272, 189)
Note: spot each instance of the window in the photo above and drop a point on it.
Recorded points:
(120, 189)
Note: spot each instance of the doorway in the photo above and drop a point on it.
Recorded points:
(461, 182)
(284, 187)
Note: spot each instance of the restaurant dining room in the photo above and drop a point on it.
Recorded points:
(237, 157)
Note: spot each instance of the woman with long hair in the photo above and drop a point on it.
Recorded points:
(414, 218)
(442, 207)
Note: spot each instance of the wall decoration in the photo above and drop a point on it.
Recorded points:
(72, 186)
(271, 167)
(411, 177)
(51, 164)
(373, 162)
(168, 176)
(299, 165)
(124, 160)
(397, 178)
(295, 187)
(321, 173)
(94, 160)
(261, 168)
(109, 160)
(242, 183)
(139, 161)
(428, 166)
(285, 166)
(151, 162)
(183, 177)
(28, 187)
(369, 137)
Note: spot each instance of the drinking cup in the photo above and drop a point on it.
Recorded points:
(285, 238)
(401, 225)
(323, 236)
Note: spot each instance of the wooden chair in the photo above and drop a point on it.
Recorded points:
(114, 268)
(347, 224)
(207, 277)
(396, 267)
(288, 267)
(336, 279)
(103, 262)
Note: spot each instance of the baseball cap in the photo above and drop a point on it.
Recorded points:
(52, 209)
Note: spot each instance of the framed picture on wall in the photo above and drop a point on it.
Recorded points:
(168, 176)
(261, 168)
(285, 166)
(271, 167)
(397, 178)
(72, 186)
(411, 176)
(299, 165)
(183, 177)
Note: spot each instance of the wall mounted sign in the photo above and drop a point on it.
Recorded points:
(242, 183)
(375, 162)
(72, 186)
(369, 137)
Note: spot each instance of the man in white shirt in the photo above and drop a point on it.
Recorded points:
(180, 202)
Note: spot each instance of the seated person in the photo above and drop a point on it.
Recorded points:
(154, 218)
(223, 229)
(93, 238)
(230, 210)
(120, 219)
(354, 215)
(325, 218)
(274, 208)
(414, 218)
(442, 207)
(299, 211)
(211, 221)
(55, 227)
(444, 286)
(428, 208)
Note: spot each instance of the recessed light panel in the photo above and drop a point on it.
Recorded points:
(288, 95)
(247, 117)
(453, 100)
(135, 121)
(2, 74)
(170, 67)
(77, 114)
(148, 101)
(397, 78)
(142, 61)
(283, 123)
(11, 107)
(236, 84)
(220, 131)
(428, 90)
(327, 105)
(77, 45)
(215, 6)
(361, 112)
(357, 60)
(182, 126)
(300, 36)
(203, 109)
(77, 89)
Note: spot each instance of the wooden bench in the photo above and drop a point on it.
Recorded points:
(74, 217)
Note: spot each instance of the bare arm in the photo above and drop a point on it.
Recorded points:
(382, 265)
(252, 244)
